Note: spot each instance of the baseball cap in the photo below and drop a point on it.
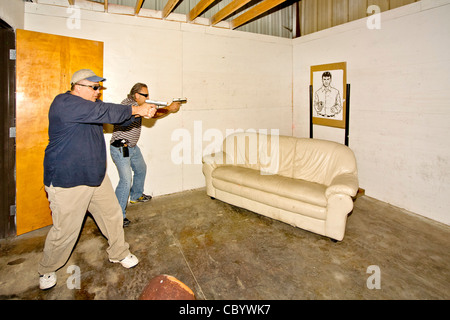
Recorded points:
(85, 74)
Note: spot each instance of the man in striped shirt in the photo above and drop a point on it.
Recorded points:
(127, 155)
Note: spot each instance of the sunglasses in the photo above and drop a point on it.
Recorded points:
(95, 88)
(143, 94)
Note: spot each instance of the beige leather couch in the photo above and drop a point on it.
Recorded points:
(308, 183)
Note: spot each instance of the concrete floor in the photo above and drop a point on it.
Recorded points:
(224, 252)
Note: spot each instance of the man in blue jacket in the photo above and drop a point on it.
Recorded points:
(75, 176)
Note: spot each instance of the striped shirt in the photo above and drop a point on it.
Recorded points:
(129, 133)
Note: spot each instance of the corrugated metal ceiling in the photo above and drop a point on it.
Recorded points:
(280, 18)
(277, 21)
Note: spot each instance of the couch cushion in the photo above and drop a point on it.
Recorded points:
(224, 188)
(295, 189)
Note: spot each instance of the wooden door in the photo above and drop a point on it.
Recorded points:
(44, 66)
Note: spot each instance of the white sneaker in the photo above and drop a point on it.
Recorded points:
(128, 262)
(47, 281)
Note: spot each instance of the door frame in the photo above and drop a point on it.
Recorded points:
(7, 131)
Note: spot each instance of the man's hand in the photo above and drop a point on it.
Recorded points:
(145, 110)
(151, 113)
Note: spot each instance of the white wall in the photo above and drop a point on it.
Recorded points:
(233, 80)
(399, 104)
(11, 11)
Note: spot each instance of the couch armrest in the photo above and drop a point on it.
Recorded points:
(211, 162)
(346, 183)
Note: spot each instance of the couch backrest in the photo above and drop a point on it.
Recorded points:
(313, 160)
(321, 160)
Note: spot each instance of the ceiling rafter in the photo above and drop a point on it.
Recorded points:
(254, 12)
(228, 10)
(199, 8)
(138, 6)
(170, 5)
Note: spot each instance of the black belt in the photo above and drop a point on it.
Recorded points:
(121, 143)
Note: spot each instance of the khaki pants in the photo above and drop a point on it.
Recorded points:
(69, 206)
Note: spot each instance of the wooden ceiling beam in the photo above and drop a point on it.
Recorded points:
(254, 12)
(228, 10)
(169, 7)
(138, 6)
(199, 8)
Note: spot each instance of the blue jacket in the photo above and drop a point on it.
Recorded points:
(76, 152)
